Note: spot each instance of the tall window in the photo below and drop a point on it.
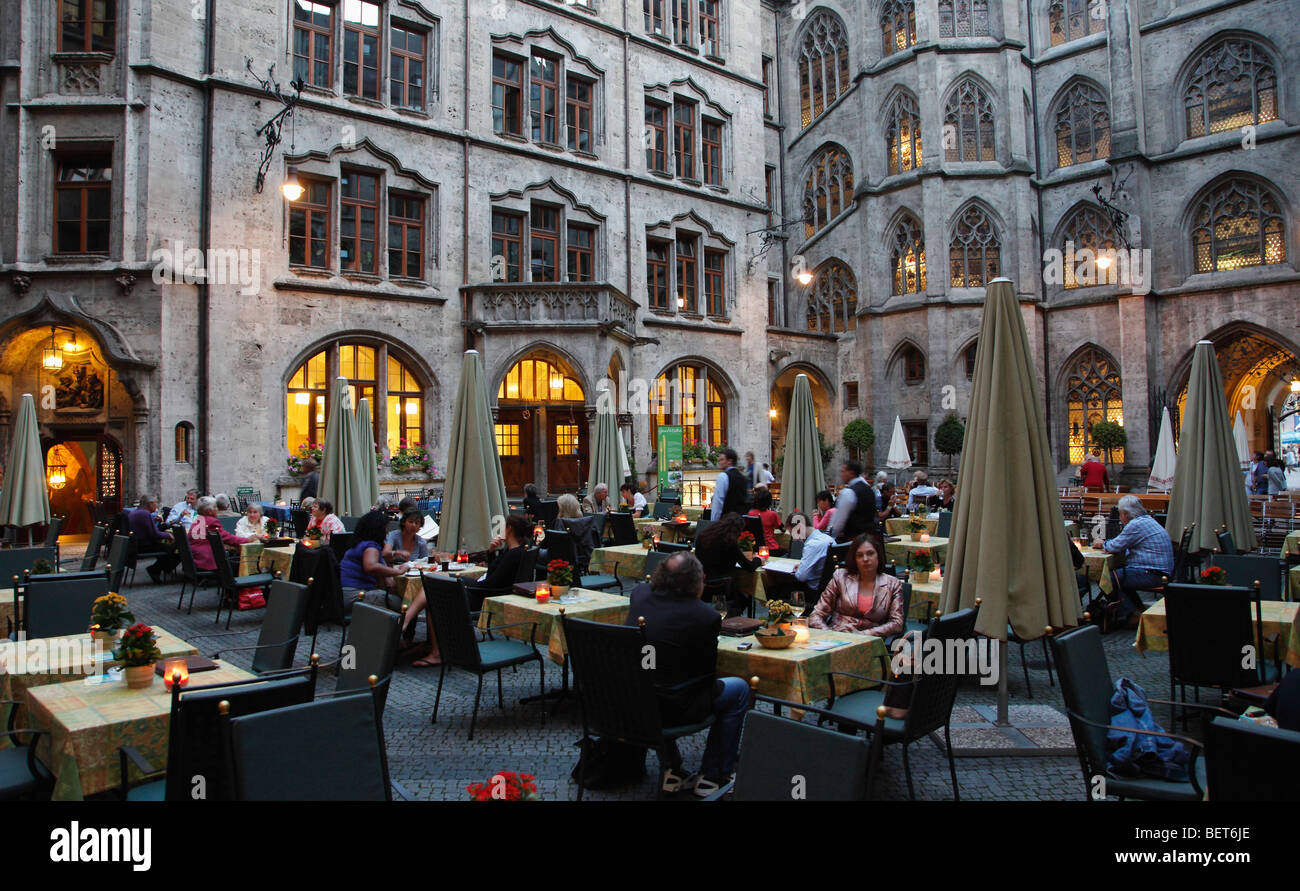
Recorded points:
(767, 87)
(83, 203)
(507, 246)
(773, 302)
(833, 299)
(1092, 394)
(313, 32)
(686, 273)
(544, 243)
(405, 235)
(823, 65)
(308, 390)
(405, 406)
(406, 68)
(715, 297)
(357, 364)
(963, 18)
(558, 249)
(358, 221)
(1088, 229)
(709, 31)
(577, 109)
(711, 140)
(903, 136)
(87, 26)
(656, 149)
(828, 190)
(1072, 19)
(361, 49)
(917, 435)
(1232, 85)
(309, 226)
(539, 380)
(544, 83)
(184, 443)
(1082, 126)
(968, 124)
(684, 138)
(907, 259)
(507, 95)
(582, 253)
(1238, 224)
(656, 273)
(654, 15)
(913, 361)
(968, 359)
(974, 253)
(675, 399)
(681, 13)
(696, 269)
(897, 25)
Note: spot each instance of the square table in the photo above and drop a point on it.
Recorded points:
(411, 585)
(673, 532)
(1291, 544)
(925, 592)
(902, 550)
(1099, 563)
(275, 559)
(88, 723)
(898, 525)
(595, 606)
(630, 559)
(1278, 616)
(797, 673)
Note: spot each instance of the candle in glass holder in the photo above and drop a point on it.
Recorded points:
(656, 539)
(925, 536)
(539, 532)
(462, 557)
(801, 632)
(543, 593)
(176, 671)
(763, 554)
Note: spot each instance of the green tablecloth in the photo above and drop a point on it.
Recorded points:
(1279, 617)
(1292, 543)
(798, 673)
(594, 606)
(898, 526)
(900, 551)
(630, 560)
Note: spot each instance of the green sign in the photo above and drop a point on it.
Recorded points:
(669, 448)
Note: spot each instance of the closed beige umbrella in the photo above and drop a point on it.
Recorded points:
(474, 497)
(802, 473)
(24, 500)
(607, 461)
(1207, 482)
(366, 480)
(338, 465)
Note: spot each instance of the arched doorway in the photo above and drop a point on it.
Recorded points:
(779, 403)
(541, 426)
(91, 469)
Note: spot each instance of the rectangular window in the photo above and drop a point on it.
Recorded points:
(507, 95)
(309, 226)
(681, 21)
(656, 273)
(361, 49)
(405, 236)
(918, 441)
(358, 222)
(770, 182)
(578, 107)
(711, 141)
(544, 83)
(767, 87)
(544, 243)
(656, 128)
(715, 295)
(83, 201)
(406, 68)
(686, 274)
(87, 26)
(507, 436)
(581, 253)
(709, 28)
(773, 301)
(507, 246)
(684, 138)
(566, 440)
(313, 32)
(654, 16)
(850, 394)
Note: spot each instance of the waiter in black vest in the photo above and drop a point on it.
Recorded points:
(731, 491)
(855, 508)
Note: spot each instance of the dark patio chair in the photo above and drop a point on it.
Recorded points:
(301, 519)
(559, 546)
(16, 561)
(58, 605)
(795, 551)
(754, 526)
(669, 547)
(622, 528)
(374, 636)
(1014, 638)
(119, 559)
(190, 574)
(230, 584)
(1250, 762)
(341, 543)
(1244, 570)
(23, 776)
(281, 629)
(228, 523)
(52, 537)
(664, 510)
(944, 529)
(652, 561)
(92, 549)
(548, 512)
(1224, 537)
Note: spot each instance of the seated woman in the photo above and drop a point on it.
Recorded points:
(404, 542)
(946, 496)
(718, 551)
(532, 503)
(363, 565)
(859, 597)
(322, 518)
(889, 509)
(824, 512)
(507, 552)
(198, 533)
(252, 524)
(633, 499)
(569, 507)
(770, 519)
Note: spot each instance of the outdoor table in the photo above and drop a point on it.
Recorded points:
(277, 512)
(276, 559)
(1099, 564)
(1279, 617)
(1291, 544)
(594, 606)
(898, 526)
(412, 585)
(901, 551)
(925, 592)
(667, 532)
(630, 559)
(1294, 586)
(88, 722)
(798, 673)
(751, 583)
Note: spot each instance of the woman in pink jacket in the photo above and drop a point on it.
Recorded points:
(198, 533)
(859, 597)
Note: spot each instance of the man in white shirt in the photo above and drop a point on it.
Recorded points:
(807, 576)
(764, 476)
(920, 491)
(183, 512)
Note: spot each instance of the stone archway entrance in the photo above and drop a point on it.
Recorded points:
(779, 404)
(542, 430)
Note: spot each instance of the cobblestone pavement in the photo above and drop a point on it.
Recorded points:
(436, 761)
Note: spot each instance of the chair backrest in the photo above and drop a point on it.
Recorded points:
(349, 523)
(934, 693)
(944, 529)
(301, 519)
(663, 510)
(118, 552)
(277, 641)
(188, 569)
(548, 511)
(52, 533)
(1208, 626)
(832, 766)
(374, 635)
(228, 523)
(325, 593)
(1226, 544)
(1086, 688)
(907, 596)
(584, 532)
(92, 548)
(225, 575)
(795, 552)
(1246, 761)
(652, 561)
(718, 589)
(616, 694)
(754, 526)
(14, 561)
(527, 571)
(668, 547)
(836, 555)
(56, 607)
(196, 742)
(341, 543)
(328, 750)
(1112, 523)
(622, 528)
(558, 545)
(303, 566)
(449, 612)
(1245, 569)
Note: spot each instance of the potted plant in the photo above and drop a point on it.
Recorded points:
(272, 528)
(410, 458)
(42, 567)
(559, 575)
(916, 526)
(313, 536)
(505, 786)
(950, 436)
(311, 450)
(1214, 575)
(921, 564)
(647, 538)
(776, 633)
(859, 437)
(108, 614)
(746, 542)
(138, 651)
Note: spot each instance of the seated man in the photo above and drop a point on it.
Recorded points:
(918, 497)
(1148, 556)
(684, 631)
(598, 501)
(146, 536)
(808, 574)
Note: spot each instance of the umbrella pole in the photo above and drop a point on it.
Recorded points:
(1002, 720)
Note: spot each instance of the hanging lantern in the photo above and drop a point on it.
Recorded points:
(56, 475)
(52, 356)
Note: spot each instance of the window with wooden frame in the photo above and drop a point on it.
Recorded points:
(507, 246)
(358, 221)
(654, 15)
(767, 87)
(968, 360)
(773, 302)
(507, 437)
(544, 243)
(309, 225)
(711, 141)
(684, 138)
(681, 14)
(581, 248)
(917, 434)
(710, 30)
(656, 123)
(913, 365)
(407, 63)
(544, 94)
(687, 272)
(361, 49)
(184, 450)
(578, 112)
(507, 95)
(405, 235)
(87, 26)
(405, 406)
(656, 273)
(83, 203)
(850, 394)
(715, 295)
(357, 364)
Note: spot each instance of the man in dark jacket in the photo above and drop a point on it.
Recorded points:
(731, 491)
(683, 632)
(146, 537)
(311, 481)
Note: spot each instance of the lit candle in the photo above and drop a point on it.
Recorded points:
(925, 536)
(656, 539)
(543, 593)
(462, 557)
(801, 632)
(763, 554)
(176, 671)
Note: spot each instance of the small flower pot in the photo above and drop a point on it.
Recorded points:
(138, 677)
(920, 578)
(558, 591)
(105, 637)
(916, 536)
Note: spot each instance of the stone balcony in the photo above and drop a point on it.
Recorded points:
(576, 306)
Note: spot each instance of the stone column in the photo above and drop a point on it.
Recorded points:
(145, 472)
(1135, 376)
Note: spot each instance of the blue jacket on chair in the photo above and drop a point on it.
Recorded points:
(1135, 754)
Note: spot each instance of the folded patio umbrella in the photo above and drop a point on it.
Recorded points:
(24, 500)
(366, 481)
(802, 473)
(1207, 484)
(899, 458)
(1239, 440)
(607, 461)
(475, 491)
(1162, 468)
(338, 464)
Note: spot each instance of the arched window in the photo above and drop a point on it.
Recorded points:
(1091, 230)
(371, 370)
(675, 399)
(903, 136)
(1232, 85)
(1072, 19)
(833, 299)
(907, 259)
(1082, 126)
(1238, 224)
(823, 65)
(968, 124)
(1092, 394)
(974, 253)
(897, 25)
(828, 191)
(913, 363)
(963, 18)
(184, 443)
(539, 380)
(968, 359)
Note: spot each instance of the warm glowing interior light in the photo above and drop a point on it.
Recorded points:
(302, 398)
(291, 188)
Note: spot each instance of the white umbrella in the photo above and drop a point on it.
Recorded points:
(622, 457)
(1239, 437)
(1162, 469)
(898, 459)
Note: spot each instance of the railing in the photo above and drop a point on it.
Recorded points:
(506, 304)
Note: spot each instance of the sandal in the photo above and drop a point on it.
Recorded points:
(676, 781)
(426, 662)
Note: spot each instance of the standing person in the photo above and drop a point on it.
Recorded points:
(144, 531)
(1149, 556)
(634, 500)
(765, 476)
(1092, 473)
(598, 501)
(1276, 475)
(752, 471)
(311, 481)
(1257, 483)
(855, 511)
(770, 519)
(718, 549)
(731, 490)
(184, 511)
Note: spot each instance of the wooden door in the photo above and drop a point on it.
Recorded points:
(566, 449)
(514, 433)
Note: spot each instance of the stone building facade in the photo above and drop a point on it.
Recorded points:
(702, 198)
